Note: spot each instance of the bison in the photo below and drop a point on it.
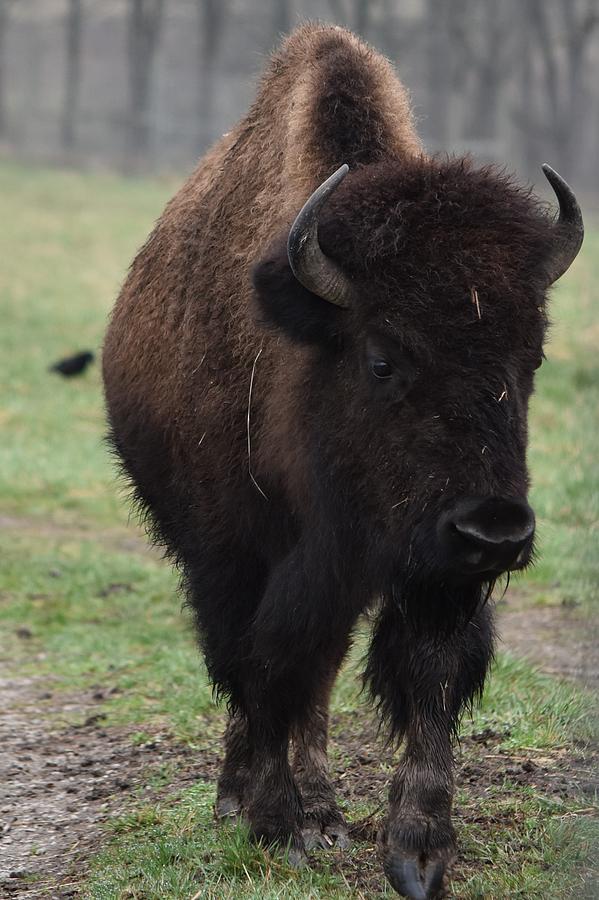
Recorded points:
(317, 378)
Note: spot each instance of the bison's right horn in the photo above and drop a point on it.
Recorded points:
(315, 271)
(569, 228)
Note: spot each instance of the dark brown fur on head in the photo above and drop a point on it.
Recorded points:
(418, 236)
(448, 267)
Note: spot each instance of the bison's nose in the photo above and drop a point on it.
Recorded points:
(490, 535)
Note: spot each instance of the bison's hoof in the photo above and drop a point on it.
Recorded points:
(278, 838)
(417, 876)
(296, 857)
(317, 836)
(416, 851)
(227, 808)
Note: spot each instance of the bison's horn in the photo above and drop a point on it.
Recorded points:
(317, 272)
(569, 228)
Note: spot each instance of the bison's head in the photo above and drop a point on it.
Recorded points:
(419, 292)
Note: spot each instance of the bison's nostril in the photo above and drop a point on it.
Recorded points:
(492, 531)
(471, 532)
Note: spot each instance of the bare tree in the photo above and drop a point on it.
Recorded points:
(566, 92)
(439, 70)
(211, 20)
(485, 40)
(144, 28)
(555, 89)
(72, 73)
(523, 111)
(481, 71)
(5, 6)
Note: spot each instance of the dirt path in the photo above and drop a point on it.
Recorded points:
(556, 638)
(59, 782)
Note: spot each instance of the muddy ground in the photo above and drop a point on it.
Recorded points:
(556, 638)
(59, 783)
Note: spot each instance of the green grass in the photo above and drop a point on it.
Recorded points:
(534, 710)
(176, 850)
(65, 247)
(100, 609)
(527, 861)
(182, 854)
(564, 430)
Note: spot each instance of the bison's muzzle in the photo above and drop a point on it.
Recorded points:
(487, 536)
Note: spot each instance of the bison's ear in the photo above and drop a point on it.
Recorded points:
(283, 303)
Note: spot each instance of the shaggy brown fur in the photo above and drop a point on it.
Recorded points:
(293, 487)
(245, 191)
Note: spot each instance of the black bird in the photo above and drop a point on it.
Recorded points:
(73, 365)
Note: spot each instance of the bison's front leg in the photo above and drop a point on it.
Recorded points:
(233, 780)
(273, 802)
(417, 839)
(300, 633)
(324, 823)
(424, 681)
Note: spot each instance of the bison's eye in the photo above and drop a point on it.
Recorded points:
(380, 368)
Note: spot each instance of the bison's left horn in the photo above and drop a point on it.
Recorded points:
(317, 272)
(569, 228)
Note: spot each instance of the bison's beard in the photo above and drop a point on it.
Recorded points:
(436, 606)
(429, 645)
(426, 592)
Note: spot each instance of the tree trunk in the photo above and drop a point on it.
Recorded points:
(547, 55)
(211, 24)
(439, 72)
(144, 25)
(362, 10)
(491, 68)
(526, 112)
(565, 85)
(578, 34)
(4, 21)
(72, 74)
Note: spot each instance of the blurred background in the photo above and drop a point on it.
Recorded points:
(147, 85)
